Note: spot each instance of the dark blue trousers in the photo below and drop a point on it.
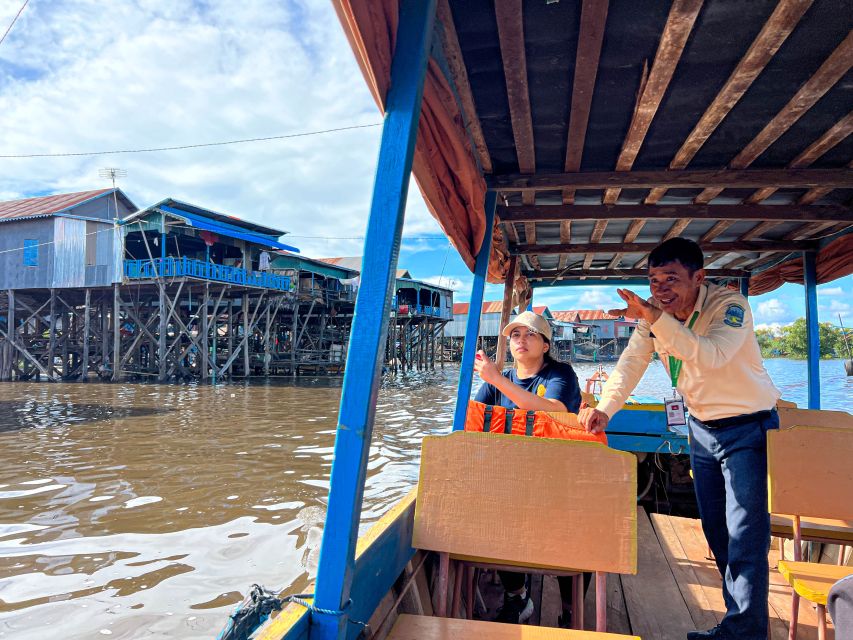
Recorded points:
(730, 476)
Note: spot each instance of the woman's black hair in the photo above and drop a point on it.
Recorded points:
(682, 250)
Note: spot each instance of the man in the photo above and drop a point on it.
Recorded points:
(704, 336)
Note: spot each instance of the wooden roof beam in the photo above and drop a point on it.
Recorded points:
(593, 21)
(679, 23)
(459, 73)
(684, 179)
(630, 235)
(835, 134)
(775, 31)
(573, 274)
(510, 21)
(815, 194)
(612, 247)
(829, 73)
(640, 213)
(565, 238)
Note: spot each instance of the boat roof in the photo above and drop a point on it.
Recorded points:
(606, 128)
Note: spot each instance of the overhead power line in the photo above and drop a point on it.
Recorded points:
(14, 20)
(187, 146)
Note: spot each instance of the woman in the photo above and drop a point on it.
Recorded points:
(540, 383)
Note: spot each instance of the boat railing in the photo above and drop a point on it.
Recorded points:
(171, 267)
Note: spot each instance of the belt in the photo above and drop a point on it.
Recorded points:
(721, 423)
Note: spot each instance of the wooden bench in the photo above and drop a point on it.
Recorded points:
(514, 501)
(810, 475)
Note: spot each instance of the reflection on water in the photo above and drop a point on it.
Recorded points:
(130, 510)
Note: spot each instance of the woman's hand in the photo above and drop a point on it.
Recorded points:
(486, 368)
(637, 307)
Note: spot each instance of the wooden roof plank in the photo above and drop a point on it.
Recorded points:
(565, 238)
(640, 213)
(815, 194)
(511, 36)
(593, 21)
(612, 247)
(830, 72)
(716, 230)
(679, 23)
(775, 31)
(630, 235)
(459, 73)
(572, 274)
(683, 179)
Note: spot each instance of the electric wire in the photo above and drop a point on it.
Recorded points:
(14, 20)
(200, 145)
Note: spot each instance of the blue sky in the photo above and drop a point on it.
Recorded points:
(76, 75)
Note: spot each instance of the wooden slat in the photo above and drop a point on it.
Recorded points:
(593, 20)
(512, 232)
(830, 72)
(654, 601)
(758, 230)
(807, 230)
(409, 627)
(684, 179)
(594, 238)
(565, 238)
(716, 230)
(676, 229)
(511, 36)
(813, 195)
(630, 235)
(679, 24)
(610, 247)
(571, 274)
(641, 212)
(530, 232)
(775, 31)
(456, 64)
(837, 133)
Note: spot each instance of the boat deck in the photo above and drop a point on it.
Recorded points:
(676, 589)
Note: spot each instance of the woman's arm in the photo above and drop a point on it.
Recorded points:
(489, 372)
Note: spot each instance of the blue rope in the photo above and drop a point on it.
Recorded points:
(299, 598)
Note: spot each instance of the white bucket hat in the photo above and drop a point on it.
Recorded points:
(532, 321)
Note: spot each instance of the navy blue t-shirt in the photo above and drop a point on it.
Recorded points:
(557, 380)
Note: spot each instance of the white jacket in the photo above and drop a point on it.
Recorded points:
(723, 374)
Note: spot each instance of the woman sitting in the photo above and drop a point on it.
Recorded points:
(538, 382)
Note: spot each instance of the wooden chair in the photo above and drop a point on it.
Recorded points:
(810, 475)
(525, 504)
(823, 530)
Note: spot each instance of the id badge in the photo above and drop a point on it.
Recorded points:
(675, 412)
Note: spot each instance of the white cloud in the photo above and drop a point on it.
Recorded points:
(595, 298)
(831, 291)
(773, 310)
(836, 306)
(774, 327)
(76, 77)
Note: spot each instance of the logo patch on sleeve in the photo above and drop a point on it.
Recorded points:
(734, 315)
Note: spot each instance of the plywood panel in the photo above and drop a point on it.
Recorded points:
(421, 627)
(810, 472)
(532, 501)
(792, 417)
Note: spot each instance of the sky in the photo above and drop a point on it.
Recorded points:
(84, 75)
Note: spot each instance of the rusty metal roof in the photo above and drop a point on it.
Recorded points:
(43, 206)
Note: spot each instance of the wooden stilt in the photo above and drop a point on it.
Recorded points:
(293, 339)
(84, 365)
(162, 334)
(205, 332)
(230, 327)
(12, 335)
(267, 355)
(116, 360)
(246, 335)
(52, 336)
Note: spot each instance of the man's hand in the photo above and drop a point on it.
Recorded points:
(486, 368)
(637, 307)
(593, 420)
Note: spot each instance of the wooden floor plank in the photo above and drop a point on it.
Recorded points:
(656, 608)
(704, 614)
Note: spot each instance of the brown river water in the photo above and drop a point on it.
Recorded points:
(145, 511)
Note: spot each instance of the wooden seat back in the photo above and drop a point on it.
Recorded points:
(810, 472)
(793, 417)
(561, 504)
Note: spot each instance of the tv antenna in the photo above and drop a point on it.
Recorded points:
(111, 173)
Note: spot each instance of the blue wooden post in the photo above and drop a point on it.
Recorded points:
(812, 331)
(370, 319)
(744, 287)
(472, 328)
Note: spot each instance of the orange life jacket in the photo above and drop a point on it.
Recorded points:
(542, 424)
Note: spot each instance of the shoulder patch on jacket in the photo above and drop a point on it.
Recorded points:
(734, 315)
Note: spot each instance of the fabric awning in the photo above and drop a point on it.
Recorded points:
(231, 231)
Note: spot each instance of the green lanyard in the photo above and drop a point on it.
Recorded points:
(675, 363)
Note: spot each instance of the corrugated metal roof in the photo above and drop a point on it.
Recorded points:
(355, 263)
(493, 306)
(586, 315)
(50, 205)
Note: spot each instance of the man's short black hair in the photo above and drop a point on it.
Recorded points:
(680, 250)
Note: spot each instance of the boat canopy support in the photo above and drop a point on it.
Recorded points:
(813, 339)
(472, 328)
(370, 320)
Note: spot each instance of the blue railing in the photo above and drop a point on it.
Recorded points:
(187, 267)
(418, 309)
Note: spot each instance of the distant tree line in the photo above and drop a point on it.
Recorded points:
(791, 341)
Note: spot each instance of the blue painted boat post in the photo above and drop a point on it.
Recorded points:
(812, 332)
(744, 287)
(370, 320)
(475, 307)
